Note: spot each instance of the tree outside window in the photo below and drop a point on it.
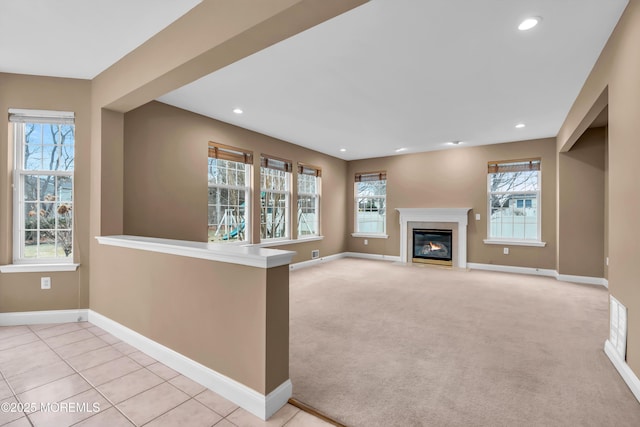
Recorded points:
(44, 183)
(514, 200)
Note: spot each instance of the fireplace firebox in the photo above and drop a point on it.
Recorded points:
(432, 246)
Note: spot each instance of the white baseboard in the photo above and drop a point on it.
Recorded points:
(511, 269)
(372, 256)
(623, 369)
(334, 257)
(312, 262)
(540, 272)
(583, 279)
(48, 316)
(258, 404)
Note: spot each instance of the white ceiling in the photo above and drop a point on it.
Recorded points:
(389, 74)
(78, 38)
(414, 74)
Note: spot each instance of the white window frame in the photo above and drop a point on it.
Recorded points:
(363, 177)
(20, 117)
(247, 205)
(286, 169)
(537, 241)
(302, 169)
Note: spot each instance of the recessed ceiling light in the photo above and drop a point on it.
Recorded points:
(343, 150)
(400, 150)
(529, 23)
(520, 125)
(238, 110)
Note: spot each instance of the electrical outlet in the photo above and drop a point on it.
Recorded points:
(505, 251)
(45, 283)
(477, 217)
(366, 242)
(315, 254)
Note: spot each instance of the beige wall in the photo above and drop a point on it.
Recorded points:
(457, 178)
(19, 291)
(581, 208)
(165, 176)
(220, 315)
(618, 69)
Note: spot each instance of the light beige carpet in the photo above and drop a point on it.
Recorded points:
(375, 343)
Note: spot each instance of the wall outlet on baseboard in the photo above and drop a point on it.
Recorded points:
(315, 254)
(45, 283)
(505, 251)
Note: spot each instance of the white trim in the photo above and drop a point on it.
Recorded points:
(455, 215)
(515, 242)
(511, 269)
(37, 268)
(282, 242)
(312, 262)
(623, 369)
(38, 317)
(540, 272)
(583, 279)
(233, 254)
(258, 404)
(379, 257)
(371, 235)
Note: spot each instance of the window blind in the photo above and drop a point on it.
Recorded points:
(276, 163)
(305, 169)
(514, 166)
(226, 152)
(41, 116)
(371, 176)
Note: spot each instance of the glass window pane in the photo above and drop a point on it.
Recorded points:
(226, 200)
(46, 202)
(514, 181)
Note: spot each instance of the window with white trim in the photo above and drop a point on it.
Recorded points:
(229, 171)
(43, 181)
(275, 196)
(371, 202)
(514, 200)
(308, 200)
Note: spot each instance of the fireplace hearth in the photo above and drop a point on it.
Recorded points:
(433, 246)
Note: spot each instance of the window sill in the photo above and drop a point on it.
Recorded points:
(37, 268)
(370, 235)
(534, 243)
(283, 242)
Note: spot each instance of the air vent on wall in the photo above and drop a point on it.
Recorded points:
(315, 254)
(618, 326)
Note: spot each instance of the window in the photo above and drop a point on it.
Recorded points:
(43, 179)
(229, 172)
(308, 200)
(514, 200)
(371, 202)
(275, 184)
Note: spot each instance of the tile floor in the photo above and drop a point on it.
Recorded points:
(90, 378)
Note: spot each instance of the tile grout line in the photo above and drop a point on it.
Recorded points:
(94, 387)
(15, 396)
(88, 382)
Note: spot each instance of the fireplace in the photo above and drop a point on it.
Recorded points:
(433, 246)
(435, 218)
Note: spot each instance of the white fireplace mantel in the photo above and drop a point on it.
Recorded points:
(454, 215)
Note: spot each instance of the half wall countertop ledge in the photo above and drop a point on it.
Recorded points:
(244, 255)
